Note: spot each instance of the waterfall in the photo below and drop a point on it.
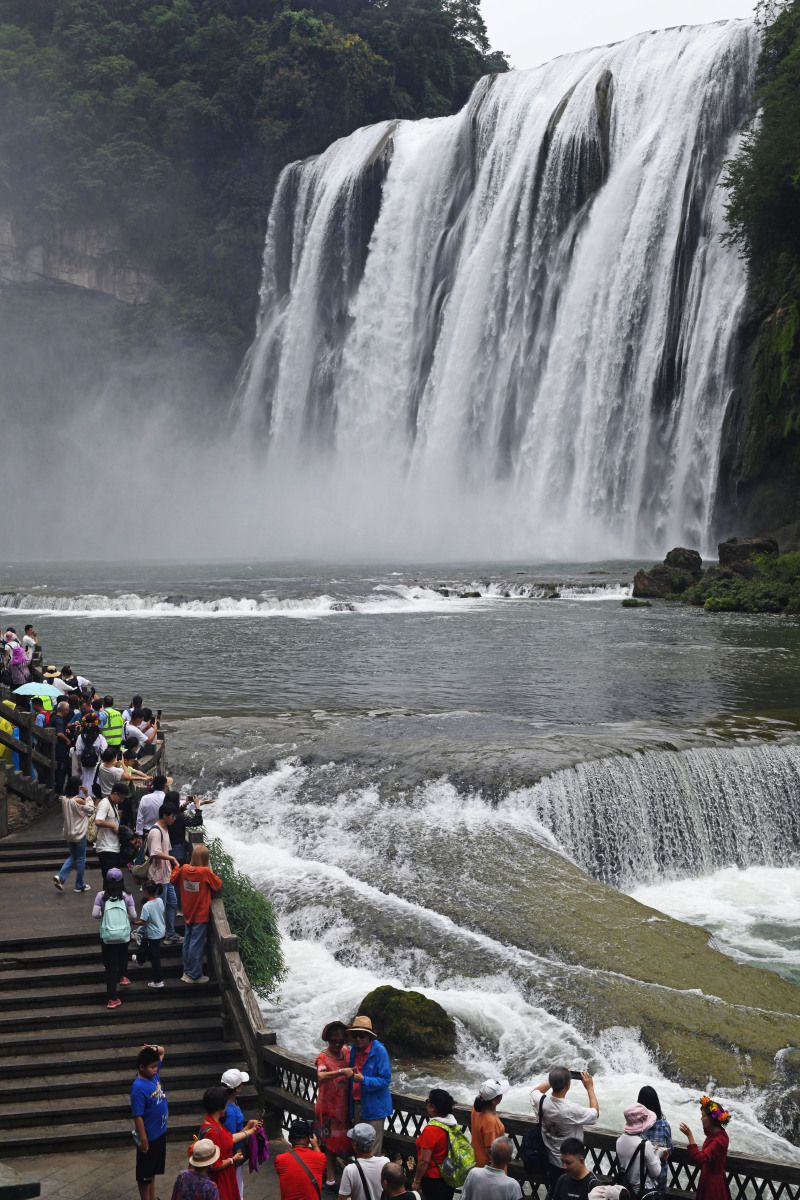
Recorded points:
(514, 328)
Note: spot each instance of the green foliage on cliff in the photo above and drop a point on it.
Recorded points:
(764, 219)
(171, 120)
(774, 588)
(252, 918)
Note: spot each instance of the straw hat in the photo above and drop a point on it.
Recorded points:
(361, 1025)
(52, 672)
(204, 1153)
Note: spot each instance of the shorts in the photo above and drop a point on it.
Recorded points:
(153, 1162)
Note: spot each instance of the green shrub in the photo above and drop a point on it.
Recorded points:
(251, 916)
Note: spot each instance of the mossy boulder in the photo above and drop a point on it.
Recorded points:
(409, 1021)
(679, 570)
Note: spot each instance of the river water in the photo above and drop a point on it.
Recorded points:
(351, 719)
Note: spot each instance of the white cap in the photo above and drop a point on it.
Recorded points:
(234, 1078)
(490, 1089)
(607, 1191)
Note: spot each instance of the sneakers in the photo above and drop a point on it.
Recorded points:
(114, 1003)
(174, 939)
(187, 978)
(85, 888)
(124, 981)
(203, 979)
(153, 983)
(57, 880)
(137, 936)
(134, 962)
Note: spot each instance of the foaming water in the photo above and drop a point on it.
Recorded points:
(514, 327)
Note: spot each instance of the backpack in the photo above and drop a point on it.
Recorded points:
(532, 1149)
(647, 1186)
(460, 1157)
(115, 925)
(89, 755)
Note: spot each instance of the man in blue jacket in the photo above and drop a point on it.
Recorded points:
(370, 1095)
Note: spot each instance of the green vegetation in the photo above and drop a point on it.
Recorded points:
(252, 918)
(773, 587)
(169, 121)
(764, 219)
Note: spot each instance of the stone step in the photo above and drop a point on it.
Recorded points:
(108, 1079)
(18, 970)
(33, 1067)
(114, 1103)
(93, 1134)
(67, 994)
(93, 1014)
(107, 1027)
(36, 950)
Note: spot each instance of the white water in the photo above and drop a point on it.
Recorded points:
(513, 328)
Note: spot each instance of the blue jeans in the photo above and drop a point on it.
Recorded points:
(194, 943)
(76, 859)
(167, 893)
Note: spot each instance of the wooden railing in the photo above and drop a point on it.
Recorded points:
(294, 1090)
(35, 746)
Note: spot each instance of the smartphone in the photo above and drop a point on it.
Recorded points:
(158, 715)
(576, 1074)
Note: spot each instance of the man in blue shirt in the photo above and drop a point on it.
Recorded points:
(149, 1109)
(370, 1085)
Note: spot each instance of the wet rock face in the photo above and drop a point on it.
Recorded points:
(679, 570)
(409, 1021)
(738, 551)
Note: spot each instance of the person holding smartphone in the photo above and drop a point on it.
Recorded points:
(562, 1118)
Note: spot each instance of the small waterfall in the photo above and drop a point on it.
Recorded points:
(662, 814)
(514, 329)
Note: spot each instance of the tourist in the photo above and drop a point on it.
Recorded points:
(194, 1183)
(150, 1113)
(88, 749)
(491, 1182)
(332, 1108)
(370, 1094)
(160, 868)
(393, 1182)
(59, 721)
(30, 639)
(112, 723)
(115, 910)
(38, 710)
(196, 882)
(362, 1179)
(107, 820)
(300, 1170)
(711, 1156)
(234, 1080)
(77, 807)
(660, 1133)
(70, 682)
(561, 1118)
(432, 1147)
(577, 1180)
(485, 1124)
(109, 771)
(135, 703)
(189, 817)
(223, 1172)
(19, 666)
(134, 728)
(150, 803)
(638, 1159)
(153, 930)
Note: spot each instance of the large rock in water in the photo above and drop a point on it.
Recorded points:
(410, 1021)
(738, 551)
(679, 570)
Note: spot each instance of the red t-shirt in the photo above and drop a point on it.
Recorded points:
(295, 1184)
(196, 884)
(434, 1139)
(361, 1058)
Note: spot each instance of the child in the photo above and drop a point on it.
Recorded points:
(152, 919)
(150, 1112)
(114, 908)
(197, 881)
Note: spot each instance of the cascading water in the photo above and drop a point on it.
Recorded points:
(515, 328)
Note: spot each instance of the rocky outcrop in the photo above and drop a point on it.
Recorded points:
(738, 552)
(91, 257)
(409, 1021)
(679, 570)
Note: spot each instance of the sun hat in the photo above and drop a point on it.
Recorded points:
(638, 1118)
(17, 654)
(490, 1089)
(114, 873)
(362, 1134)
(52, 672)
(234, 1078)
(326, 1033)
(204, 1153)
(361, 1025)
(609, 1191)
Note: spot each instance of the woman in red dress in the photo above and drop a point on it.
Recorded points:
(712, 1184)
(332, 1110)
(223, 1172)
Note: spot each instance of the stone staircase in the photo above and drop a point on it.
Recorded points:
(66, 1061)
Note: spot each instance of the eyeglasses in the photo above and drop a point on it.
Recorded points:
(335, 1041)
(360, 1036)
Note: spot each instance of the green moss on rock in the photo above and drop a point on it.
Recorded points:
(410, 1021)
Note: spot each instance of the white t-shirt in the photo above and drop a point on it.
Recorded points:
(107, 839)
(134, 731)
(561, 1119)
(627, 1145)
(351, 1184)
(107, 777)
(29, 643)
(147, 813)
(87, 773)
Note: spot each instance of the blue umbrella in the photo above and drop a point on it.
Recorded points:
(37, 689)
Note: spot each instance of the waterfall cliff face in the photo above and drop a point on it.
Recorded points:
(517, 325)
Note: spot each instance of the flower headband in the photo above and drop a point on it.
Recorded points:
(715, 1111)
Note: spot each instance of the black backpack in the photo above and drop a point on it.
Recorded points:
(532, 1149)
(89, 755)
